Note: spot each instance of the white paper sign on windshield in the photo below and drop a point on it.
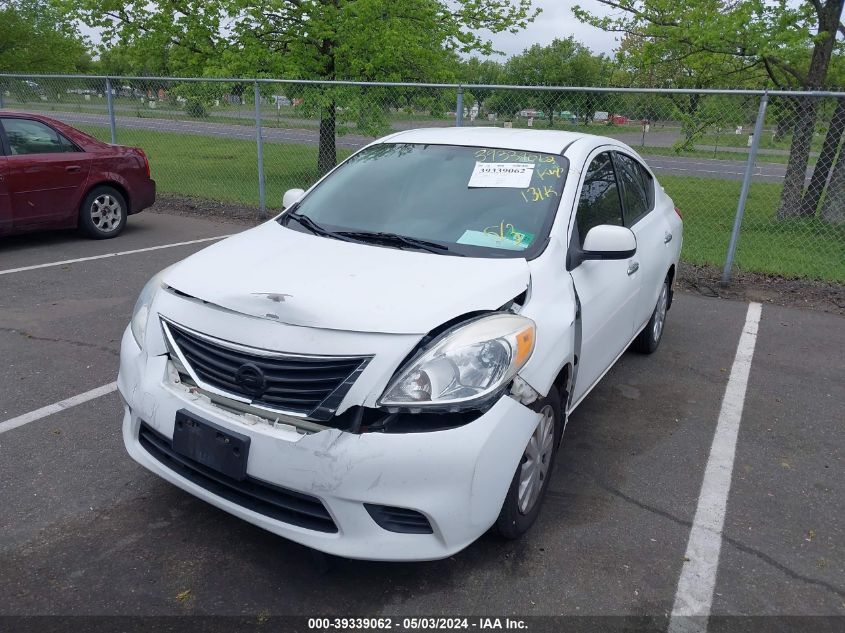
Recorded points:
(514, 175)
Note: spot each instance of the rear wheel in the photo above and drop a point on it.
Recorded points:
(531, 479)
(103, 213)
(648, 340)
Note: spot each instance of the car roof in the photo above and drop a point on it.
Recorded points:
(27, 115)
(17, 113)
(547, 141)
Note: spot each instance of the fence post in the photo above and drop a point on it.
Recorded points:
(2, 90)
(262, 194)
(459, 112)
(746, 184)
(110, 106)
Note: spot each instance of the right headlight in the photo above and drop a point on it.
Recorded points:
(141, 312)
(464, 366)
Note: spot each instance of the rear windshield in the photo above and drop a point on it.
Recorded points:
(477, 201)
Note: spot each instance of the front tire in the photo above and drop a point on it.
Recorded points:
(531, 479)
(103, 213)
(648, 340)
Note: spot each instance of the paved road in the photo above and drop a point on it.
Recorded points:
(659, 135)
(682, 166)
(84, 530)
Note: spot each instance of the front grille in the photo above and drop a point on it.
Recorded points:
(401, 520)
(277, 503)
(312, 386)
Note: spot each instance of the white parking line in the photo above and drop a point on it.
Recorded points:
(694, 596)
(9, 271)
(50, 409)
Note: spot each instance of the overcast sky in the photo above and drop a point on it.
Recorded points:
(557, 20)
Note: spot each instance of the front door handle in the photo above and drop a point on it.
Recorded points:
(633, 267)
(667, 237)
(72, 169)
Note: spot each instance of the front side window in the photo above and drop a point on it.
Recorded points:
(33, 137)
(475, 201)
(599, 202)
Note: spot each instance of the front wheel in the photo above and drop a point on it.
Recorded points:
(531, 480)
(648, 340)
(103, 213)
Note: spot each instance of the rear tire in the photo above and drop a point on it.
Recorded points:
(103, 213)
(648, 340)
(531, 479)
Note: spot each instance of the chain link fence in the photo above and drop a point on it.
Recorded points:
(768, 165)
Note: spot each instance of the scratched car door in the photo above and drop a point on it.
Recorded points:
(607, 289)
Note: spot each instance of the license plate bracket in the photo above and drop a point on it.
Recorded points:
(211, 445)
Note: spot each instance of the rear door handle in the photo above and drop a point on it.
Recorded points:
(667, 237)
(633, 267)
(72, 169)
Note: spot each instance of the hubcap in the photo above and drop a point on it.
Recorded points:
(535, 461)
(660, 314)
(106, 213)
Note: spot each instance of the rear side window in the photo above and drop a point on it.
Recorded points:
(648, 183)
(33, 137)
(638, 188)
(599, 202)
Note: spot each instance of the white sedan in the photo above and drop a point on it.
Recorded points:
(384, 371)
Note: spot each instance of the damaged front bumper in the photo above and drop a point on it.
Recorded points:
(363, 486)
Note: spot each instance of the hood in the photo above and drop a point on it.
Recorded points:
(280, 274)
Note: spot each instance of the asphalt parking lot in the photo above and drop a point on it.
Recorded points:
(86, 531)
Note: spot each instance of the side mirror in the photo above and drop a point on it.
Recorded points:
(606, 241)
(292, 196)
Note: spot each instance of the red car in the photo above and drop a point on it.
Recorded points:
(53, 176)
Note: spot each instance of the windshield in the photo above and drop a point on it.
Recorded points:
(475, 201)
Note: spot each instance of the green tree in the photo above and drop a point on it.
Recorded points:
(475, 71)
(658, 63)
(140, 57)
(826, 170)
(412, 40)
(143, 57)
(828, 185)
(564, 62)
(35, 36)
(507, 103)
(833, 206)
(792, 43)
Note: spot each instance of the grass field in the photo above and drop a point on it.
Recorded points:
(804, 247)
(220, 169)
(767, 140)
(719, 155)
(225, 169)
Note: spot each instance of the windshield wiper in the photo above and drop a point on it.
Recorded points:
(316, 229)
(309, 224)
(396, 239)
(362, 237)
